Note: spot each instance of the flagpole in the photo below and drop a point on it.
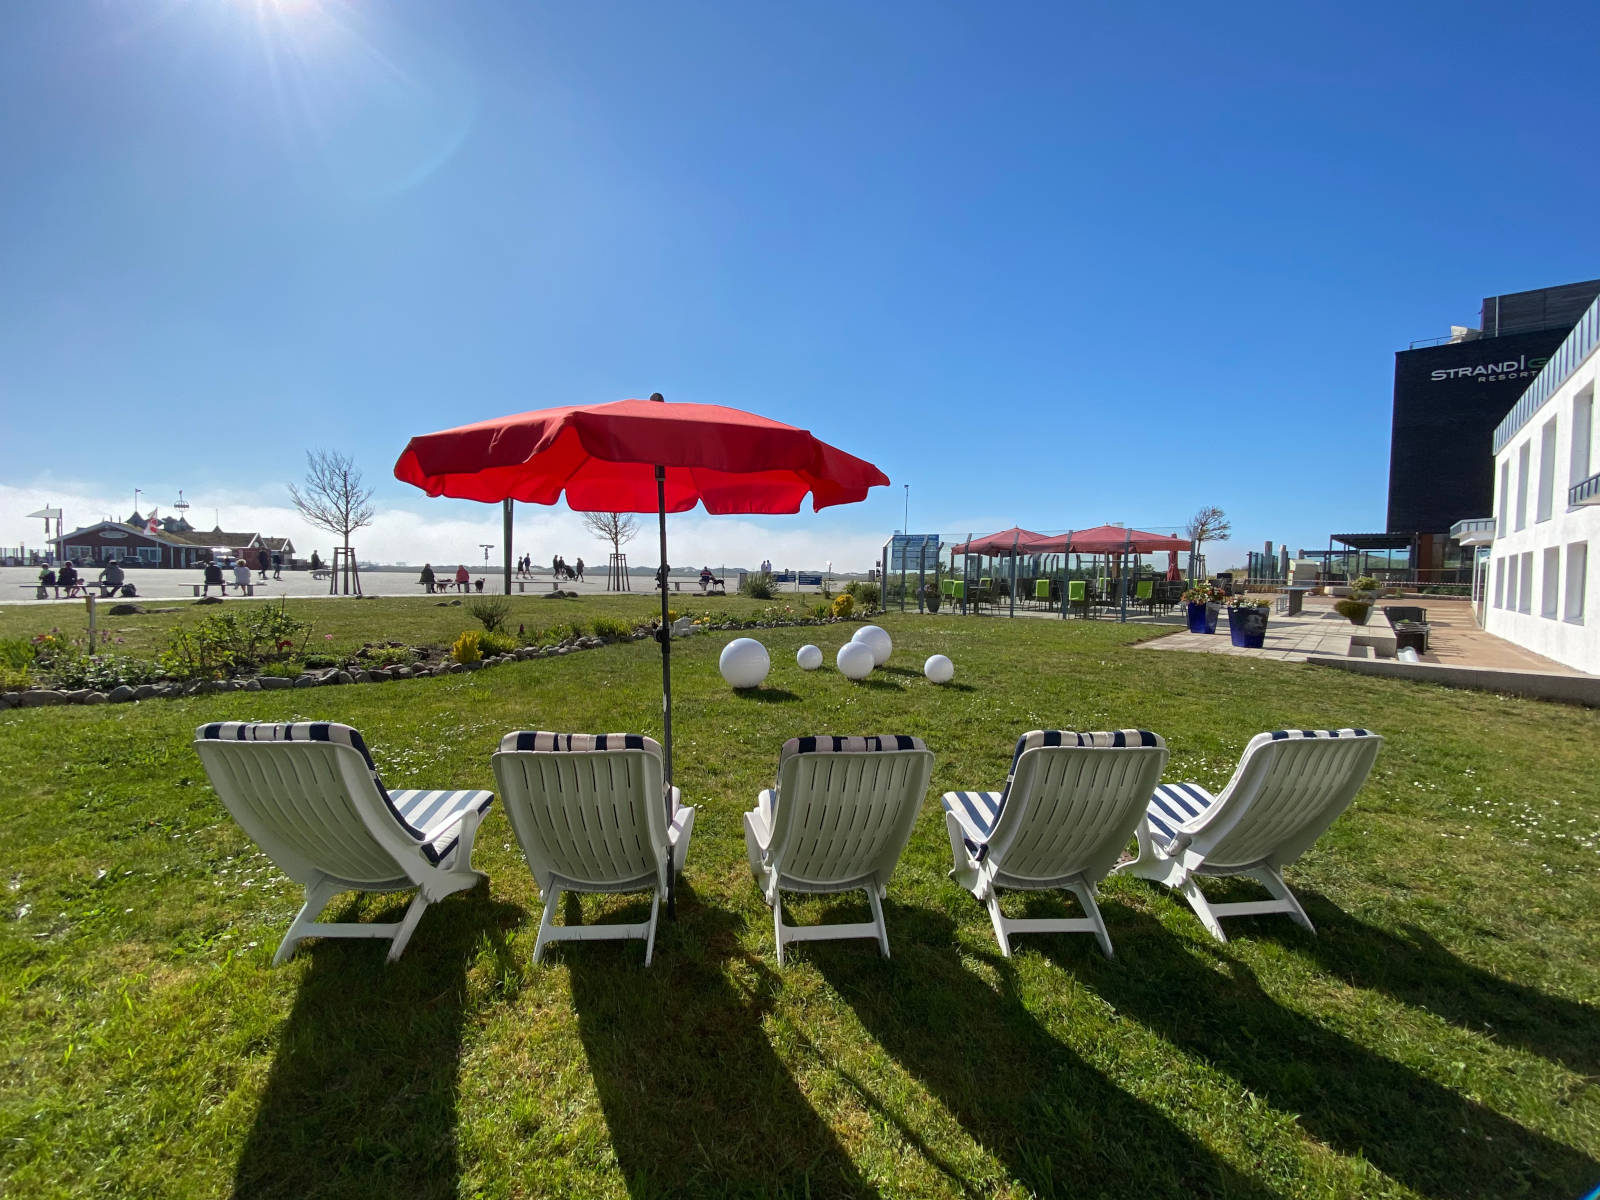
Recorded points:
(664, 634)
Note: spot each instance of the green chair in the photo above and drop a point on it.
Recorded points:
(958, 589)
(1041, 592)
(1078, 595)
(1145, 594)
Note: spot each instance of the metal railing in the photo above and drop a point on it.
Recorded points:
(1568, 358)
(1587, 492)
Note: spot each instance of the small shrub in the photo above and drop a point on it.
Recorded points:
(17, 653)
(14, 679)
(467, 648)
(867, 595)
(227, 642)
(1355, 611)
(562, 631)
(822, 612)
(610, 627)
(102, 672)
(496, 643)
(389, 656)
(321, 662)
(491, 614)
(843, 604)
(1365, 583)
(757, 586)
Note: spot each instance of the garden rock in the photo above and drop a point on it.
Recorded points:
(9, 700)
(302, 681)
(209, 600)
(42, 698)
(271, 683)
(401, 673)
(342, 677)
(120, 694)
(126, 610)
(95, 698)
(249, 685)
(472, 666)
(146, 691)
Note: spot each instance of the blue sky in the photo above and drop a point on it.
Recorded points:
(1050, 265)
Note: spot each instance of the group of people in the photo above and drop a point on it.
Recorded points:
(111, 581)
(462, 579)
(214, 578)
(564, 571)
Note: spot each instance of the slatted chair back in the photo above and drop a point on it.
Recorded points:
(845, 806)
(1145, 590)
(589, 808)
(1288, 788)
(1078, 591)
(308, 794)
(1041, 589)
(1072, 802)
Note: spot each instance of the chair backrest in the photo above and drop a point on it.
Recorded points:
(309, 795)
(1073, 800)
(958, 589)
(1041, 589)
(846, 806)
(1146, 589)
(1287, 789)
(590, 808)
(1077, 590)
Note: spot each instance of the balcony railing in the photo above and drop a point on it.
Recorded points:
(1475, 531)
(1587, 492)
(1567, 359)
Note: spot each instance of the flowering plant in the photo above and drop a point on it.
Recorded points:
(1248, 602)
(1203, 593)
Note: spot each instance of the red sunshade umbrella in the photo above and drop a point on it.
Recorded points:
(1172, 566)
(1007, 541)
(1118, 539)
(640, 456)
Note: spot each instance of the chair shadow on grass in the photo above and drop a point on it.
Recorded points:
(1414, 968)
(1195, 994)
(1057, 1124)
(361, 1097)
(695, 1098)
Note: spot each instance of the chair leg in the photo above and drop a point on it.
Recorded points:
(318, 894)
(545, 922)
(997, 919)
(777, 924)
(1091, 910)
(408, 925)
(877, 918)
(650, 938)
(1202, 907)
(1272, 879)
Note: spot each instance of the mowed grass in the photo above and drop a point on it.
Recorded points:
(1440, 1038)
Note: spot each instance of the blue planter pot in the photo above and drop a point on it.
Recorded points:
(1202, 618)
(1247, 627)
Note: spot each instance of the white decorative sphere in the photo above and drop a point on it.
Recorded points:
(855, 660)
(744, 663)
(876, 640)
(939, 669)
(809, 658)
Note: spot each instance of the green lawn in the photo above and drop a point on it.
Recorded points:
(1440, 1038)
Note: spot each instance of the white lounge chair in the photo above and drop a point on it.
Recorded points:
(590, 811)
(309, 795)
(1070, 804)
(838, 819)
(1287, 789)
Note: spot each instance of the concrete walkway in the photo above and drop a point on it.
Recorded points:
(1289, 639)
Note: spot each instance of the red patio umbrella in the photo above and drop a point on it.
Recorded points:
(1173, 574)
(640, 456)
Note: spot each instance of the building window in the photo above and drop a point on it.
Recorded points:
(1582, 432)
(1510, 564)
(1525, 584)
(1505, 498)
(1550, 596)
(150, 554)
(1577, 573)
(1523, 455)
(1547, 470)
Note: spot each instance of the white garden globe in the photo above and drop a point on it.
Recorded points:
(939, 669)
(854, 660)
(744, 663)
(876, 640)
(809, 657)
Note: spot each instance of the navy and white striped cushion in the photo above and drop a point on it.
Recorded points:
(1283, 735)
(432, 812)
(845, 745)
(1037, 738)
(1175, 803)
(977, 813)
(576, 743)
(308, 731)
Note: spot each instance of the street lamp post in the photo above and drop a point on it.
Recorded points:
(907, 528)
(487, 546)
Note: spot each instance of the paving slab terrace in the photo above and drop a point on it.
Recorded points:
(1315, 630)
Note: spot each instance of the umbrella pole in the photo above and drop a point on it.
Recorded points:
(664, 634)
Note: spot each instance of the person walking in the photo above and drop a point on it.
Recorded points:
(426, 579)
(263, 561)
(462, 577)
(277, 564)
(580, 570)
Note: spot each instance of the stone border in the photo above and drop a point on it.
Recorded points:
(334, 676)
(1536, 685)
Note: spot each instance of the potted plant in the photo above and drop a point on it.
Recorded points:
(1201, 602)
(930, 597)
(1247, 621)
(1357, 607)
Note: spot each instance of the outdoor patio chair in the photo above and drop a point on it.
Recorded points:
(1078, 596)
(837, 821)
(309, 795)
(1041, 593)
(590, 812)
(1288, 788)
(1070, 804)
(1145, 594)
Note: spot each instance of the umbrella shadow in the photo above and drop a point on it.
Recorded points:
(695, 1097)
(361, 1098)
(1414, 968)
(1058, 1125)
(767, 695)
(1426, 1136)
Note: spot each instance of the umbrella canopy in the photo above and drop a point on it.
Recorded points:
(1007, 541)
(1115, 539)
(1172, 566)
(640, 456)
(604, 456)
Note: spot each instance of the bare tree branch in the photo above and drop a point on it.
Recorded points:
(615, 528)
(333, 497)
(1210, 524)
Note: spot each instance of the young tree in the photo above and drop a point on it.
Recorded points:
(1210, 524)
(334, 497)
(615, 528)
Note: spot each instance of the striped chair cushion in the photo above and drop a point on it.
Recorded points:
(432, 813)
(576, 743)
(1281, 735)
(845, 745)
(976, 812)
(314, 731)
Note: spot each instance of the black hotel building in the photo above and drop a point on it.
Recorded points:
(1448, 398)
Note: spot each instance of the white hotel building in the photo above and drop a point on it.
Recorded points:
(1543, 586)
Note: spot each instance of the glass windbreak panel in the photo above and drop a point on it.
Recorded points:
(1547, 470)
(1577, 579)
